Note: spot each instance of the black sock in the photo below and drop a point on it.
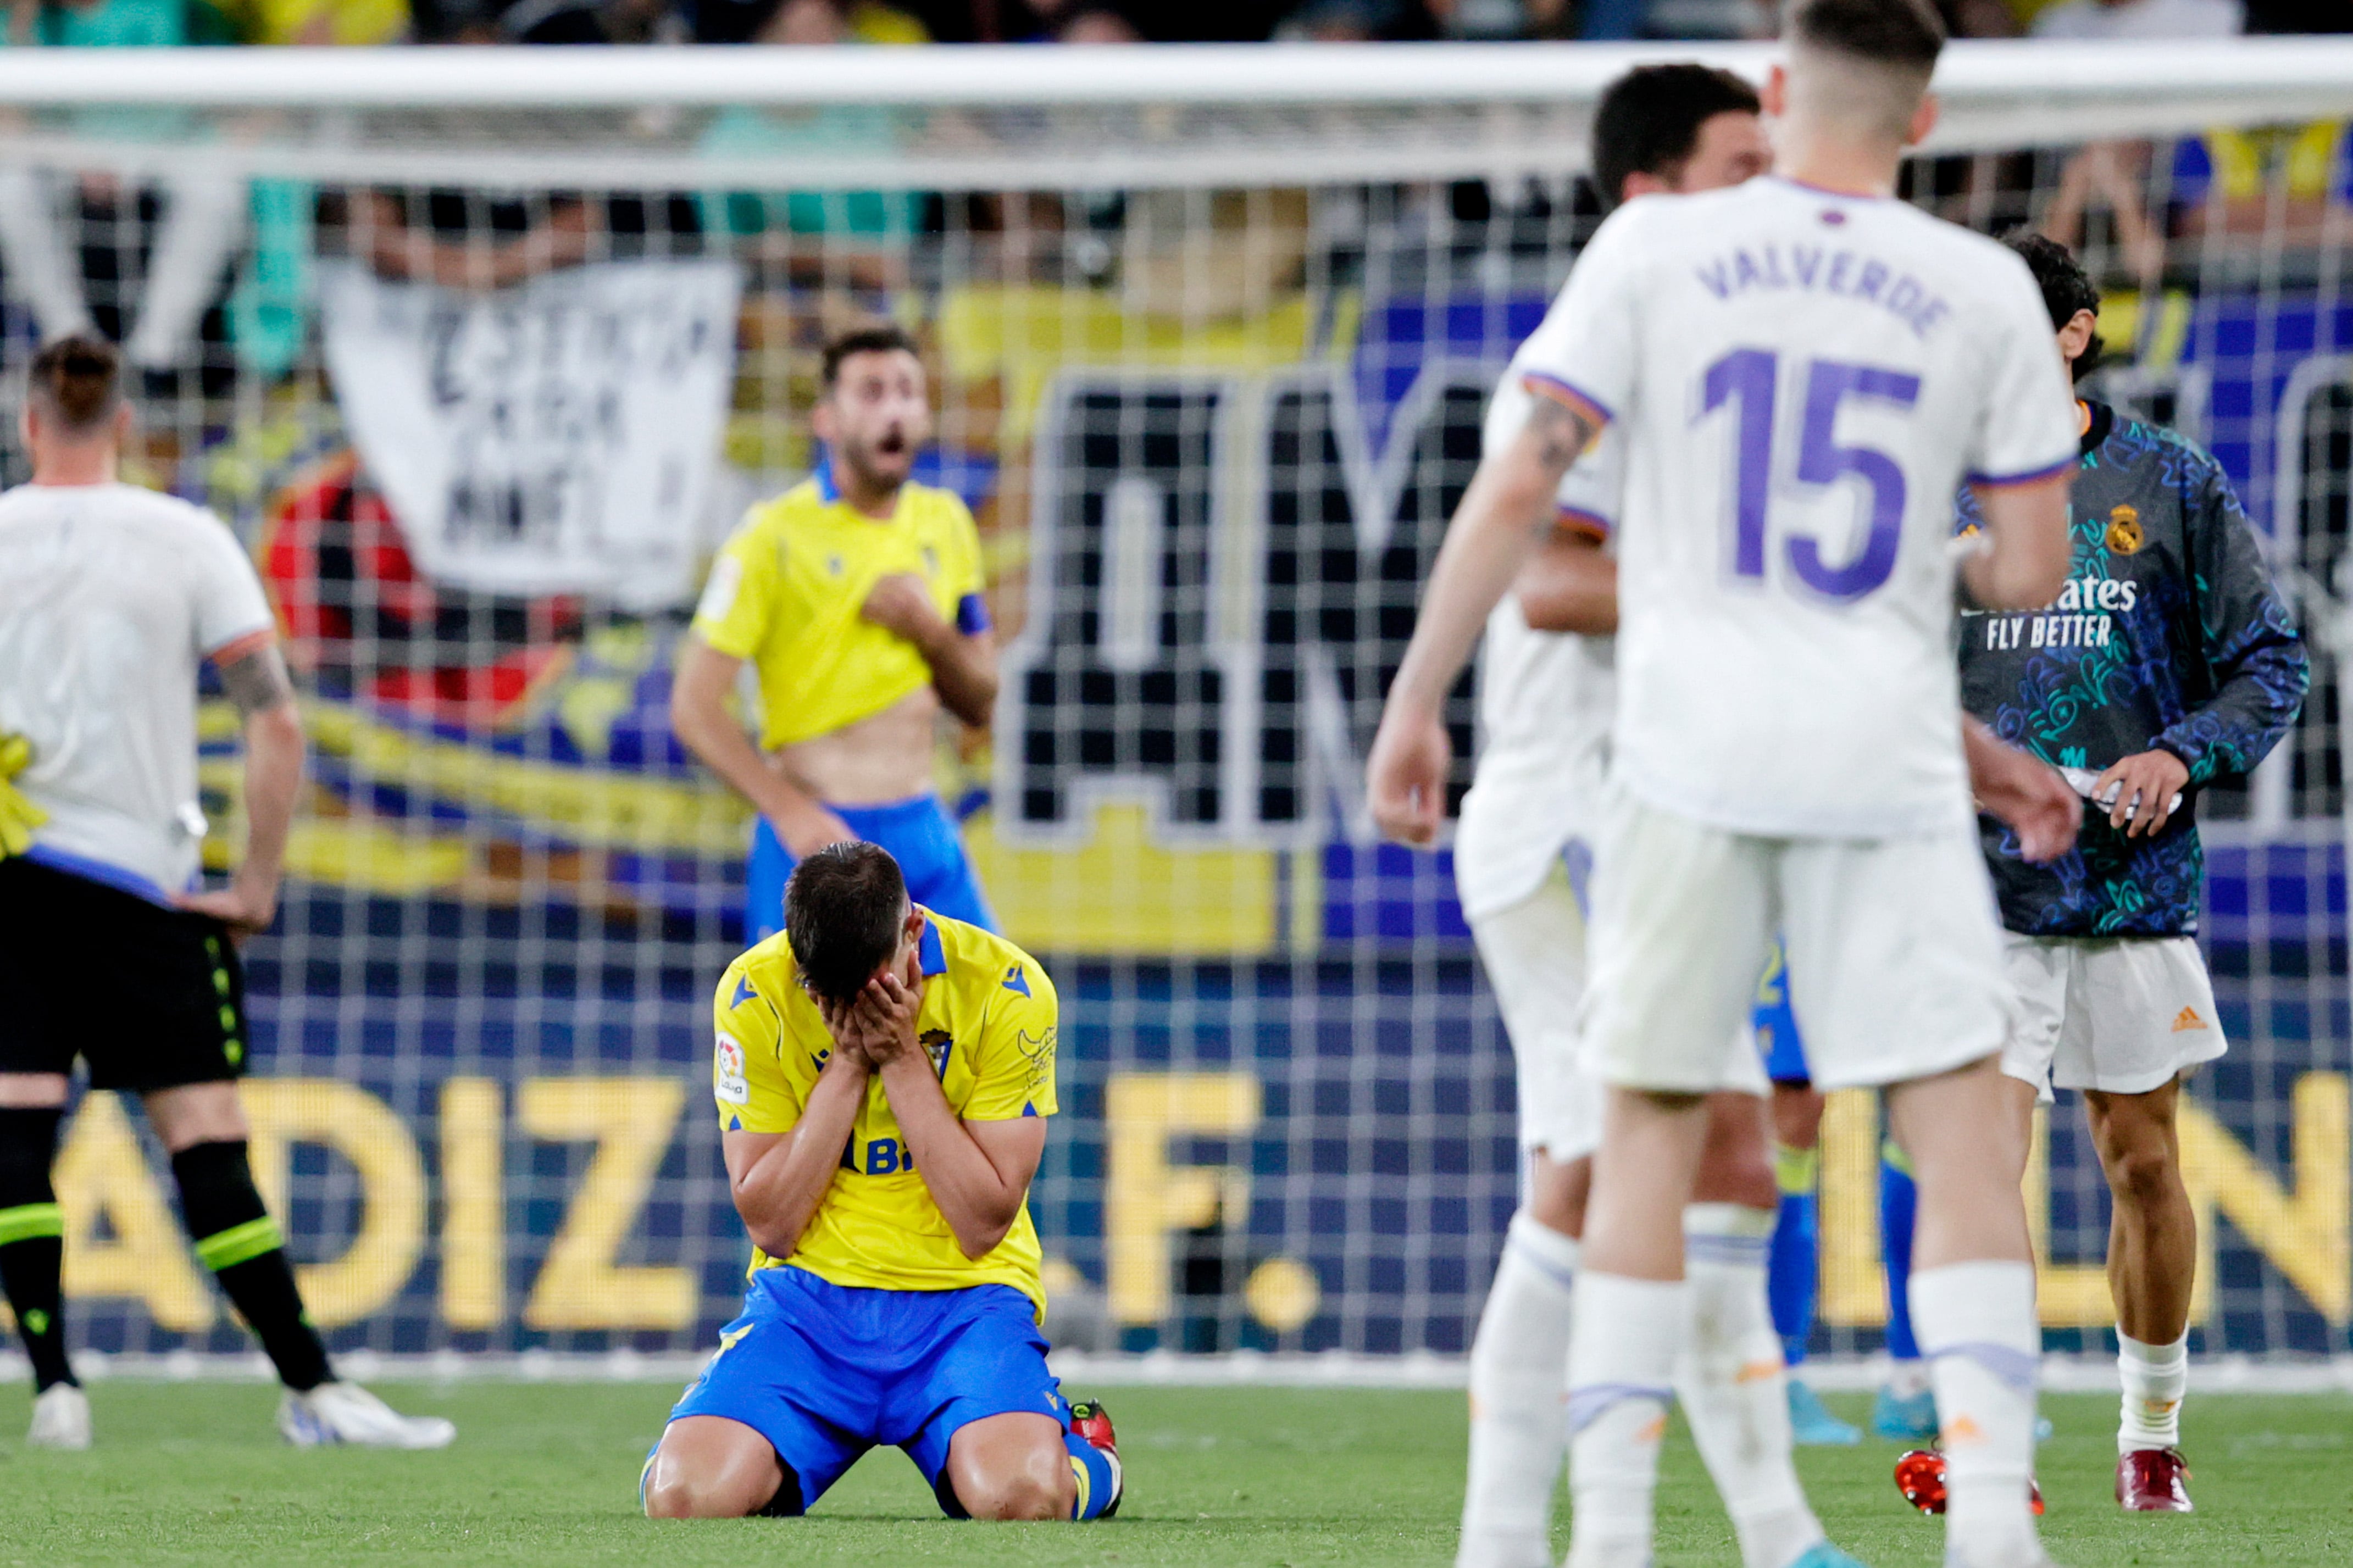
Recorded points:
(236, 1240)
(32, 1244)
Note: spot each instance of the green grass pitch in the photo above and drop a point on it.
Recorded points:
(193, 1474)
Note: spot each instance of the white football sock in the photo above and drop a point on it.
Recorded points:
(2154, 1378)
(1977, 1326)
(1733, 1390)
(1519, 1379)
(1622, 1351)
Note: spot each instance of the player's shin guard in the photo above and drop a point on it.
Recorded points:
(1733, 1387)
(1977, 1325)
(2155, 1379)
(1519, 1377)
(239, 1240)
(1794, 1271)
(32, 1246)
(1623, 1348)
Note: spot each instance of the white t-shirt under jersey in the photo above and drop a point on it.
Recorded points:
(1546, 700)
(1802, 380)
(110, 596)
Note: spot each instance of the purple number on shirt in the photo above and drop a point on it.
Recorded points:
(1747, 375)
(1822, 461)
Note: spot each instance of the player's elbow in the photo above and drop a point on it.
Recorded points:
(978, 1239)
(277, 727)
(778, 1239)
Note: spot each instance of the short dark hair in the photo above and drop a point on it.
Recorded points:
(843, 909)
(879, 338)
(1649, 121)
(1905, 33)
(2066, 287)
(79, 378)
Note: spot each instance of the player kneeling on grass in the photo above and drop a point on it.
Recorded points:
(883, 1078)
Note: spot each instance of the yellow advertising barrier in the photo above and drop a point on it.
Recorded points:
(2305, 1230)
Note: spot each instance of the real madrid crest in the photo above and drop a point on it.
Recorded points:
(2124, 531)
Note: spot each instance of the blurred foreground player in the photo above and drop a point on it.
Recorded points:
(2169, 660)
(109, 599)
(1788, 746)
(856, 598)
(1546, 694)
(883, 1077)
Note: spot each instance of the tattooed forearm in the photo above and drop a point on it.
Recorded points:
(257, 681)
(1560, 434)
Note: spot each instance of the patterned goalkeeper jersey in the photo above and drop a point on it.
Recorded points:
(2170, 635)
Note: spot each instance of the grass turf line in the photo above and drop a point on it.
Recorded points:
(193, 1474)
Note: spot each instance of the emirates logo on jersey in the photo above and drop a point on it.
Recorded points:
(2124, 536)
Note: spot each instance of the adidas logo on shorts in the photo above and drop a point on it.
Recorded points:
(2187, 1018)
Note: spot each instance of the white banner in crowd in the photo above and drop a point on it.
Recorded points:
(557, 438)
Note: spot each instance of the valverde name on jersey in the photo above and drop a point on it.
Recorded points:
(987, 1023)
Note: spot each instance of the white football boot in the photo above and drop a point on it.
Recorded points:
(61, 1420)
(346, 1412)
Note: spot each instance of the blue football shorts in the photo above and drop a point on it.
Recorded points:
(920, 835)
(826, 1372)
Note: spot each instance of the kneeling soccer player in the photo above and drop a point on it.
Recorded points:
(883, 1078)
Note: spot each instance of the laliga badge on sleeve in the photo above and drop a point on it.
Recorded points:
(728, 1084)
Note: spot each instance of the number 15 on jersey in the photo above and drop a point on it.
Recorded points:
(1749, 381)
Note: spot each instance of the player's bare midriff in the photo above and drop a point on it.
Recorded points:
(882, 758)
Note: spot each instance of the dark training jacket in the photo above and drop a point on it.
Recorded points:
(2170, 635)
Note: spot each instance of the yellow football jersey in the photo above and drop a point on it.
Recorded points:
(786, 591)
(988, 1019)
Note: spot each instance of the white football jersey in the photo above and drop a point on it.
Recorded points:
(1802, 380)
(1545, 700)
(109, 598)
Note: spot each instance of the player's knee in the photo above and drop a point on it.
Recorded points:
(1557, 1190)
(671, 1493)
(676, 1493)
(697, 1482)
(2142, 1169)
(1038, 1487)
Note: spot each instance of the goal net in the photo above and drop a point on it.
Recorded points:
(482, 351)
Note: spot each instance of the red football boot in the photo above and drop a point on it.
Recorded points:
(1092, 1422)
(1920, 1477)
(2154, 1481)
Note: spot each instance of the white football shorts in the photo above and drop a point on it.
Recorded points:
(1894, 949)
(2120, 1014)
(1533, 952)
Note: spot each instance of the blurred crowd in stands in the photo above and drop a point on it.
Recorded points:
(100, 22)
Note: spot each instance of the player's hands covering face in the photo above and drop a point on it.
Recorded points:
(1405, 779)
(878, 1025)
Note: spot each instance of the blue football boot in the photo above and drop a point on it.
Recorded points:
(1907, 1418)
(1813, 1426)
(1822, 1554)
